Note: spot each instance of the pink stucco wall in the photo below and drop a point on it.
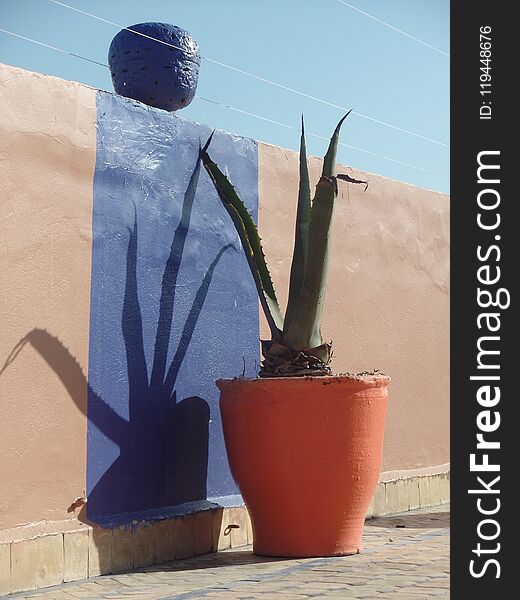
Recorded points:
(387, 303)
(47, 156)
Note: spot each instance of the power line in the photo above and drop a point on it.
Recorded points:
(22, 37)
(232, 108)
(244, 112)
(412, 37)
(121, 26)
(259, 78)
(326, 102)
(321, 137)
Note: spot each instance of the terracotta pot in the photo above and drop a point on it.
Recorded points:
(306, 455)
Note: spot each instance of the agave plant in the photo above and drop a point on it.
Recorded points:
(296, 346)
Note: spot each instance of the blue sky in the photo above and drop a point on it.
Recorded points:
(321, 47)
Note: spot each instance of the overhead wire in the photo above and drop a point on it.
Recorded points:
(257, 77)
(381, 22)
(229, 107)
(23, 37)
(321, 137)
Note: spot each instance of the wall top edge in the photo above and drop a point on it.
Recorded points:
(19, 72)
(268, 146)
(25, 73)
(387, 476)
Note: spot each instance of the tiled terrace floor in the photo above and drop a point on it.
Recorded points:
(406, 557)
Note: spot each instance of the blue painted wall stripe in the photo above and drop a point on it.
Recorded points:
(173, 307)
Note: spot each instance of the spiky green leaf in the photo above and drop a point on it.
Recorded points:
(304, 331)
(329, 162)
(250, 239)
(301, 236)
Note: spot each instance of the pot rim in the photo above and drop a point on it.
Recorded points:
(355, 380)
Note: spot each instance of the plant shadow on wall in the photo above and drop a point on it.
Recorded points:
(163, 445)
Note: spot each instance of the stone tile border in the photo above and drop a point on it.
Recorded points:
(81, 551)
(409, 493)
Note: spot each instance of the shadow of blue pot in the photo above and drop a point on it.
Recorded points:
(163, 75)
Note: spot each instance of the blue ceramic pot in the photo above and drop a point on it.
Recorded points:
(155, 73)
